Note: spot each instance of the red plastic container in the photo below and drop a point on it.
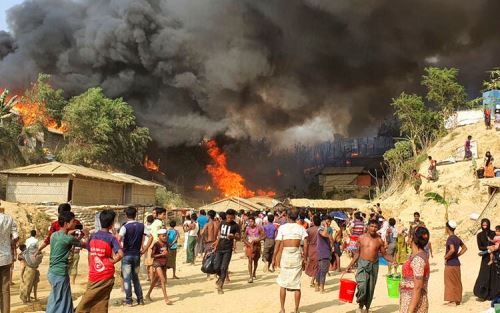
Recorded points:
(347, 290)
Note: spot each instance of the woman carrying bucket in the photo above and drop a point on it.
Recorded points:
(415, 276)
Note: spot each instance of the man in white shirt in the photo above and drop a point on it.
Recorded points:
(8, 237)
(32, 241)
(192, 233)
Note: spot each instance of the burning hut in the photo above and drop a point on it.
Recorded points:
(60, 182)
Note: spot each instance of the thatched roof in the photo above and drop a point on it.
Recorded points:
(349, 204)
(235, 203)
(63, 169)
(264, 201)
(136, 180)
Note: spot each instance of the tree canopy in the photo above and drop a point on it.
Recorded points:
(53, 100)
(443, 90)
(102, 132)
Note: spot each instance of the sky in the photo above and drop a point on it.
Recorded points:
(4, 5)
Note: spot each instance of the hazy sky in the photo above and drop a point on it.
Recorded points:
(4, 5)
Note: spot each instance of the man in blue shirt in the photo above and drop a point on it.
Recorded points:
(133, 234)
(202, 221)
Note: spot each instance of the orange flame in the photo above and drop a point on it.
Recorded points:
(203, 187)
(151, 166)
(34, 112)
(229, 183)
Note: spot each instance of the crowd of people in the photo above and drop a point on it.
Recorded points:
(292, 240)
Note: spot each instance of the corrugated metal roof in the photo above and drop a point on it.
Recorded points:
(342, 170)
(235, 203)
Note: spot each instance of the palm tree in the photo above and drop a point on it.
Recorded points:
(6, 105)
(441, 200)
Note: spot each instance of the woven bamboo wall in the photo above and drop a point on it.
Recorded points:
(94, 192)
(33, 189)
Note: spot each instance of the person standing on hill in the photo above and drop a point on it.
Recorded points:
(487, 283)
(416, 180)
(452, 276)
(133, 235)
(433, 173)
(369, 246)
(104, 252)
(489, 169)
(467, 148)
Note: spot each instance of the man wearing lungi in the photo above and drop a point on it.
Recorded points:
(369, 246)
(289, 257)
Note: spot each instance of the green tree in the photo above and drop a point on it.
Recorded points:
(418, 124)
(52, 99)
(102, 132)
(494, 82)
(444, 90)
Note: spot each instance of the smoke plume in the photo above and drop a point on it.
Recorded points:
(287, 70)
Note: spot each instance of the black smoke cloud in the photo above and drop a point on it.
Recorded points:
(288, 70)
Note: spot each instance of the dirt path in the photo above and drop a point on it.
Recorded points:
(193, 293)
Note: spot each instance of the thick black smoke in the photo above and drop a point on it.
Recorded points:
(289, 70)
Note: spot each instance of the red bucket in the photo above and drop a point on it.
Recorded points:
(347, 290)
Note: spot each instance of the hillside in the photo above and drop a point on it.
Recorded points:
(466, 192)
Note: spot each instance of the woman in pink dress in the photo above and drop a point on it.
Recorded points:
(415, 276)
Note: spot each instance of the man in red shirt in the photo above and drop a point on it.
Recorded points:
(66, 207)
(104, 252)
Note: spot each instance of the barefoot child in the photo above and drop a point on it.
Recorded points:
(159, 254)
(30, 276)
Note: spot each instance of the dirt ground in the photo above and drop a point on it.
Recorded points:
(194, 293)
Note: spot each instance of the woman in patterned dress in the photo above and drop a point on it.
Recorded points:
(415, 276)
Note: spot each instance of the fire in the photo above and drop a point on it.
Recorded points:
(354, 154)
(229, 183)
(151, 166)
(33, 112)
(203, 187)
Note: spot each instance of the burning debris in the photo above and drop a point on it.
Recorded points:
(152, 166)
(229, 183)
(203, 187)
(34, 112)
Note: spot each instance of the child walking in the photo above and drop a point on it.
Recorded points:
(104, 252)
(159, 254)
(30, 275)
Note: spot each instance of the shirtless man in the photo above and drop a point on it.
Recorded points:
(209, 233)
(369, 246)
